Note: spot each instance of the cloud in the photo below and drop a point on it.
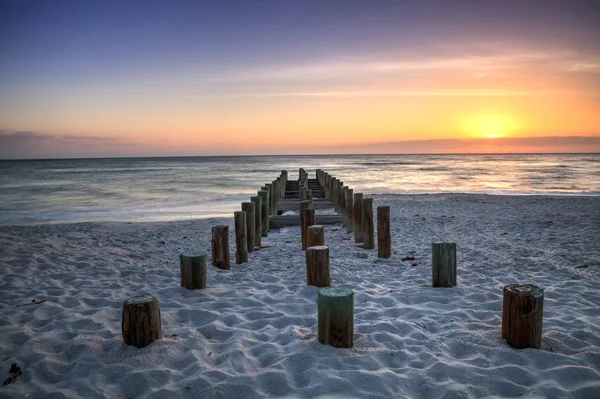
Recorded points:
(476, 65)
(31, 145)
(24, 144)
(549, 144)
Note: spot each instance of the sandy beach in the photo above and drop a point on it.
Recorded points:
(252, 332)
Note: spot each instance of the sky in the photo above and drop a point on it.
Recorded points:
(147, 78)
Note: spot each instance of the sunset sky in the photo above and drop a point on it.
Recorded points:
(104, 78)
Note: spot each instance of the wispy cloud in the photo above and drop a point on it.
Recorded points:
(474, 65)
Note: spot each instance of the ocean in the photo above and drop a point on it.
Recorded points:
(154, 189)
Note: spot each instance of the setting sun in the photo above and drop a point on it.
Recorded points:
(491, 126)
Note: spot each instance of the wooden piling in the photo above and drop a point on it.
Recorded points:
(269, 187)
(384, 235)
(220, 247)
(307, 218)
(304, 205)
(241, 240)
(192, 268)
(349, 210)
(522, 313)
(343, 206)
(140, 321)
(315, 236)
(367, 225)
(317, 266)
(250, 208)
(443, 264)
(336, 317)
(357, 217)
(264, 211)
(257, 220)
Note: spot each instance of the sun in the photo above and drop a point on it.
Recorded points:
(490, 126)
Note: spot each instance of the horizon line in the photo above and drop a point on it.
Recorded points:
(300, 155)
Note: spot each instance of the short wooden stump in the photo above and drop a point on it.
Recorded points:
(522, 313)
(443, 264)
(192, 266)
(336, 317)
(140, 322)
(317, 266)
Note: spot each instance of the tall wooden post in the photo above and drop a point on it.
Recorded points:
(315, 236)
(304, 205)
(249, 208)
(307, 219)
(264, 211)
(343, 206)
(241, 240)
(317, 266)
(269, 187)
(140, 320)
(443, 264)
(522, 313)
(349, 210)
(336, 317)
(368, 228)
(384, 235)
(257, 220)
(357, 216)
(220, 247)
(192, 267)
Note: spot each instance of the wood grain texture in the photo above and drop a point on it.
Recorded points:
(315, 235)
(249, 208)
(317, 266)
(336, 317)
(241, 241)
(192, 267)
(522, 314)
(443, 264)
(264, 211)
(357, 215)
(367, 225)
(384, 235)
(140, 321)
(220, 247)
(257, 220)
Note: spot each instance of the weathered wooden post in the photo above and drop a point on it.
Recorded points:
(315, 236)
(220, 247)
(304, 205)
(269, 187)
(140, 320)
(522, 312)
(349, 210)
(317, 266)
(357, 216)
(250, 208)
(257, 220)
(192, 267)
(343, 206)
(336, 317)
(384, 235)
(334, 197)
(308, 194)
(443, 264)
(368, 228)
(241, 240)
(307, 219)
(264, 212)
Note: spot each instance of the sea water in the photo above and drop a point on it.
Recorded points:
(152, 189)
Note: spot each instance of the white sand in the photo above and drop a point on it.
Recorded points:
(252, 333)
